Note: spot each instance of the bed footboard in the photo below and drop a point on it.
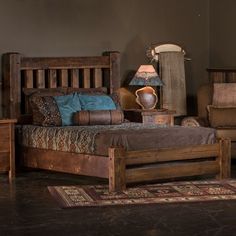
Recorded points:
(148, 165)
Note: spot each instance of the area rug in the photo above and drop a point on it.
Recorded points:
(98, 195)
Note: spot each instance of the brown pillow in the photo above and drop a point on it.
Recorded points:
(98, 117)
(224, 95)
(45, 91)
(45, 111)
(222, 117)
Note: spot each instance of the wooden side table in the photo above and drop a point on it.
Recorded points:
(164, 117)
(7, 146)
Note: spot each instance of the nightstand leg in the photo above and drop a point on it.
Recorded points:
(12, 153)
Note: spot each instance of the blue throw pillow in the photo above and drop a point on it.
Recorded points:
(96, 102)
(67, 105)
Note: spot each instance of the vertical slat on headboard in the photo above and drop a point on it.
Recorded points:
(86, 78)
(28, 83)
(63, 77)
(40, 79)
(52, 78)
(28, 79)
(75, 78)
(98, 77)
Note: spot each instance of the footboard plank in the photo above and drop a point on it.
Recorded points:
(73, 163)
(173, 154)
(171, 170)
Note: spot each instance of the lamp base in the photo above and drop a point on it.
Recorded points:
(146, 97)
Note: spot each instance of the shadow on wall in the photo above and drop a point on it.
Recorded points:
(134, 55)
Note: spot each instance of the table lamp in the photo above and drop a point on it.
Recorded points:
(146, 76)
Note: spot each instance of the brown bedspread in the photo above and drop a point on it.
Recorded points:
(97, 139)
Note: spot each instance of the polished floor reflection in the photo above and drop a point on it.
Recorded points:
(26, 208)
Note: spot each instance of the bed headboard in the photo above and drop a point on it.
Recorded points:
(21, 72)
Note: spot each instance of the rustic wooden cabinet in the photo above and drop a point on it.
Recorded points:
(7, 146)
(163, 117)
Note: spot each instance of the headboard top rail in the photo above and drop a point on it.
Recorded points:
(64, 62)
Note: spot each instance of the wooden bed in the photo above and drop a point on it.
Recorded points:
(121, 166)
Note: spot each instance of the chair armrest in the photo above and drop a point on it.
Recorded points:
(194, 121)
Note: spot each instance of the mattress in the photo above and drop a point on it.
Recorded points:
(97, 139)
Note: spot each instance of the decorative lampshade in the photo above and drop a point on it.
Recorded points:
(146, 76)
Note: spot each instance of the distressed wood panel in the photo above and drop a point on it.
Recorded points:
(52, 78)
(28, 79)
(86, 78)
(40, 78)
(63, 78)
(98, 78)
(75, 78)
(163, 155)
(171, 170)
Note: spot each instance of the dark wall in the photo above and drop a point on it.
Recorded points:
(88, 27)
(222, 33)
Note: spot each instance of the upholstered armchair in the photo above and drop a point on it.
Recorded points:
(217, 109)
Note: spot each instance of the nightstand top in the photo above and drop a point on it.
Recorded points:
(151, 112)
(7, 121)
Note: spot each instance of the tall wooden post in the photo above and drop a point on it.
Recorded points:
(225, 158)
(117, 166)
(11, 85)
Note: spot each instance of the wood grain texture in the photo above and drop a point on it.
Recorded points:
(117, 173)
(7, 147)
(73, 163)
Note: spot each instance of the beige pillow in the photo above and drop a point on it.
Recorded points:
(222, 117)
(224, 95)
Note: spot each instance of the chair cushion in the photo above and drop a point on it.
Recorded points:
(222, 116)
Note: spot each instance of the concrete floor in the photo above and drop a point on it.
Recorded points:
(26, 208)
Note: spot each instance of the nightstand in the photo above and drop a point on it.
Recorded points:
(7, 146)
(164, 116)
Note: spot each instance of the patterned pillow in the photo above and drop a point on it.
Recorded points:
(54, 110)
(45, 111)
(224, 95)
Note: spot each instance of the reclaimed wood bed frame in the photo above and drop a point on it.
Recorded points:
(121, 166)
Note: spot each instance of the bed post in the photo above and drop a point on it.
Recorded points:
(114, 70)
(225, 158)
(117, 166)
(11, 85)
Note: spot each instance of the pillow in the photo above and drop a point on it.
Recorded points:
(40, 92)
(93, 102)
(45, 91)
(98, 117)
(222, 117)
(54, 110)
(224, 95)
(45, 111)
(67, 105)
